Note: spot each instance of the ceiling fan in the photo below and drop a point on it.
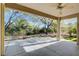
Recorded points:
(61, 6)
(64, 6)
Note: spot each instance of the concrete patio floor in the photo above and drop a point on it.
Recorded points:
(41, 47)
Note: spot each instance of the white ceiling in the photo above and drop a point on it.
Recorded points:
(51, 8)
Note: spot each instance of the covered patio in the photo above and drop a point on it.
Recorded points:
(57, 47)
(37, 47)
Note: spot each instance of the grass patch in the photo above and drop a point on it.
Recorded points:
(74, 39)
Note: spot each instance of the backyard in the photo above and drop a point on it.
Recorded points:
(23, 25)
(26, 29)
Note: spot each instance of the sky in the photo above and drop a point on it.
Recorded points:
(72, 21)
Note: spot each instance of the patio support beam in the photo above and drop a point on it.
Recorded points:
(1, 29)
(78, 29)
(58, 28)
(70, 16)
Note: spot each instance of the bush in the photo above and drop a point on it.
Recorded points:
(74, 39)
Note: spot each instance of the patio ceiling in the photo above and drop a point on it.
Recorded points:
(51, 8)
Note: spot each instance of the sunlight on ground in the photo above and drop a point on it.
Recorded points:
(36, 47)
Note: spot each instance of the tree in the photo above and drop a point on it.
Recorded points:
(10, 19)
(54, 26)
(21, 26)
(47, 23)
(15, 22)
(72, 29)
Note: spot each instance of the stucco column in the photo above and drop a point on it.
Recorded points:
(78, 29)
(58, 28)
(1, 29)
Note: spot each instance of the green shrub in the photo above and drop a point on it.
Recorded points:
(74, 39)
